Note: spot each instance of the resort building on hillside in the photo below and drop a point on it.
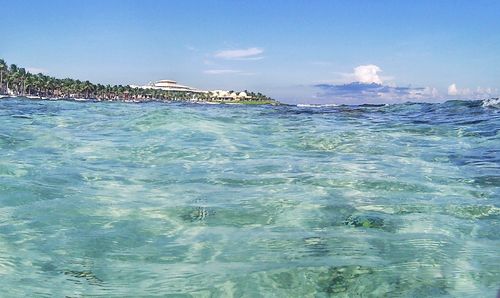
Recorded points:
(218, 95)
(169, 85)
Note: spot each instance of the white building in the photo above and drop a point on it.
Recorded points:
(169, 85)
(227, 95)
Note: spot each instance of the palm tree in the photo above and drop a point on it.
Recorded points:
(22, 80)
(13, 78)
(40, 79)
(48, 85)
(30, 82)
(3, 67)
(87, 87)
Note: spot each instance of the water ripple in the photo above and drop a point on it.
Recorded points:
(115, 199)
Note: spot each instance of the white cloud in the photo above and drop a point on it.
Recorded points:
(431, 91)
(452, 89)
(240, 54)
(487, 91)
(368, 74)
(220, 71)
(478, 93)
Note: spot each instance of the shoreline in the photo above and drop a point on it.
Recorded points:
(142, 100)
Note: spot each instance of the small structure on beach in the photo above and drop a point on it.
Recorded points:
(229, 95)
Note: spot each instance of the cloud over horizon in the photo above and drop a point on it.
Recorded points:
(358, 92)
(478, 93)
(366, 85)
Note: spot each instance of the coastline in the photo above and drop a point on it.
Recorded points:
(142, 100)
(19, 82)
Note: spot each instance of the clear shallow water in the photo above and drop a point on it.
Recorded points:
(117, 199)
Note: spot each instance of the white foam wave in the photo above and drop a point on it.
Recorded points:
(316, 105)
(492, 102)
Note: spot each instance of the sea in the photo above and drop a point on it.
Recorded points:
(108, 199)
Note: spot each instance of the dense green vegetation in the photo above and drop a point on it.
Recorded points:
(20, 82)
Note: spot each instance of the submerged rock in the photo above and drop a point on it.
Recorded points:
(87, 275)
(333, 215)
(366, 221)
(340, 279)
(198, 214)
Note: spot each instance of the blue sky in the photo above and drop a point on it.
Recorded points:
(296, 51)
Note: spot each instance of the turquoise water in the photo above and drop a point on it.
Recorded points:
(117, 199)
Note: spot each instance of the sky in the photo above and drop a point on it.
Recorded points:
(295, 51)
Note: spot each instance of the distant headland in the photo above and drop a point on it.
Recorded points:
(16, 81)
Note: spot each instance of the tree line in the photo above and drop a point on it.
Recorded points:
(17, 81)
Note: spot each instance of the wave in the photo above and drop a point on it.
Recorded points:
(491, 102)
(312, 105)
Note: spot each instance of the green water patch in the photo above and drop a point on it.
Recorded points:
(333, 281)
